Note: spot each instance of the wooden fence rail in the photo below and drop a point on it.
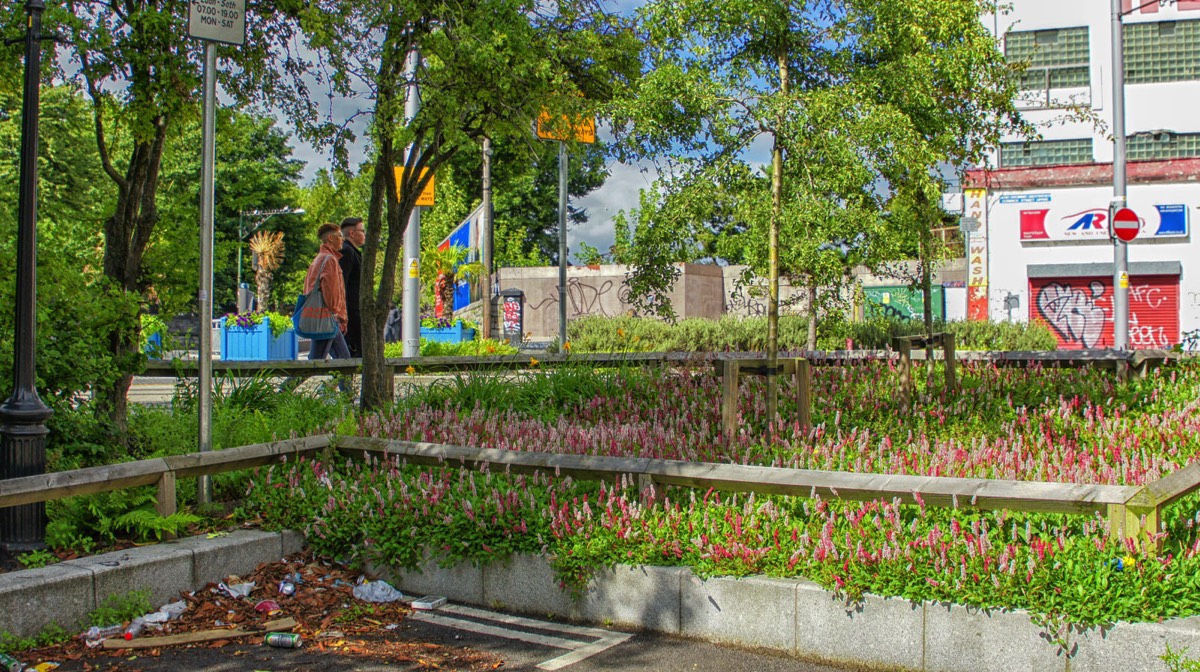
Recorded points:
(1139, 360)
(1131, 511)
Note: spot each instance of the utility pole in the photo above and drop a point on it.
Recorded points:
(23, 416)
(486, 238)
(410, 325)
(1120, 248)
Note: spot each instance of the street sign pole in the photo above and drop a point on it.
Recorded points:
(207, 151)
(212, 22)
(1120, 249)
(562, 246)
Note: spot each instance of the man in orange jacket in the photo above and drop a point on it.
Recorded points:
(325, 268)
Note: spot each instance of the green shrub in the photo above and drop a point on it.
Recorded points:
(480, 347)
(749, 334)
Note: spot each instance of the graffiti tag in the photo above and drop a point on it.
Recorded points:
(584, 298)
(1073, 313)
(1147, 336)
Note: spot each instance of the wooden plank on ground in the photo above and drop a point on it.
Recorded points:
(280, 625)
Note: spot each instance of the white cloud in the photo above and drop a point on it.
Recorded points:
(620, 192)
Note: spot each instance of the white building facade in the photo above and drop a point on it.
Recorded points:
(1042, 249)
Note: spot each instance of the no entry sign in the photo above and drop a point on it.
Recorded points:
(1125, 224)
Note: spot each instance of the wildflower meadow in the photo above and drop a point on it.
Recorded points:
(1057, 425)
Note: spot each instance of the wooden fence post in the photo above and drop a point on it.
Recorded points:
(948, 356)
(1139, 522)
(165, 499)
(804, 392)
(729, 396)
(904, 347)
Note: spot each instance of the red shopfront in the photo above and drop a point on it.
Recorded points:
(1078, 309)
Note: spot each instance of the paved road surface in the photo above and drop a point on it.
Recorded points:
(622, 651)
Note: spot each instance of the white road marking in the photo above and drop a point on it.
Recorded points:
(576, 650)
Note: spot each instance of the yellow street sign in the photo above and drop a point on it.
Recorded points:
(426, 197)
(582, 129)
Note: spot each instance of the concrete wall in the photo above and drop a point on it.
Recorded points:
(702, 290)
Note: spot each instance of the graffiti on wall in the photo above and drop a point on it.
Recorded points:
(1072, 312)
(584, 298)
(1081, 313)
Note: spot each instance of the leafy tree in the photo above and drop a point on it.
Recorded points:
(525, 193)
(488, 69)
(142, 75)
(850, 93)
(75, 303)
(254, 170)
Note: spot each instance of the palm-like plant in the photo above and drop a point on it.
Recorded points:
(267, 247)
(440, 269)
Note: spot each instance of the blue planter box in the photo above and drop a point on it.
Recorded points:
(455, 334)
(154, 346)
(254, 344)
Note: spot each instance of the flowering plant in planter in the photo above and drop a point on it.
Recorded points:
(279, 322)
(429, 322)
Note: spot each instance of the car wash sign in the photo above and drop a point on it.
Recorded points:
(1072, 215)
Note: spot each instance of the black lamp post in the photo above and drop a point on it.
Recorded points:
(23, 416)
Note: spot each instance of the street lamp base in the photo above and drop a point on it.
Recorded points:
(23, 453)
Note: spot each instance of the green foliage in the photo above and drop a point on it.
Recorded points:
(480, 347)
(634, 334)
(105, 517)
(545, 395)
(120, 608)
(38, 558)
(51, 635)
(1177, 661)
(279, 322)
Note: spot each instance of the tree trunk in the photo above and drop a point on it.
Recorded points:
(811, 342)
(262, 279)
(773, 255)
(126, 235)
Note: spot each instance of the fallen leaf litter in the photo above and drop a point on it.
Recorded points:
(328, 618)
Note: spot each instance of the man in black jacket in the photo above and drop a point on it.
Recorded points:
(351, 262)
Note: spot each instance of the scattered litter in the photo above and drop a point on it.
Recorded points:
(173, 610)
(214, 617)
(428, 602)
(42, 667)
(135, 629)
(214, 535)
(283, 640)
(237, 590)
(267, 606)
(287, 588)
(376, 591)
(103, 632)
(10, 664)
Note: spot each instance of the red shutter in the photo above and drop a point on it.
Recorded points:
(1079, 310)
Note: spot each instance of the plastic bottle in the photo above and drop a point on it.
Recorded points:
(135, 628)
(96, 632)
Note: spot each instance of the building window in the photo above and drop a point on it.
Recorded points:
(1162, 145)
(1045, 153)
(1166, 51)
(1058, 59)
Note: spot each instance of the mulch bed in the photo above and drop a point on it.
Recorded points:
(329, 619)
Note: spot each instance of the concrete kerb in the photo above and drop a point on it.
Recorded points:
(64, 593)
(806, 620)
